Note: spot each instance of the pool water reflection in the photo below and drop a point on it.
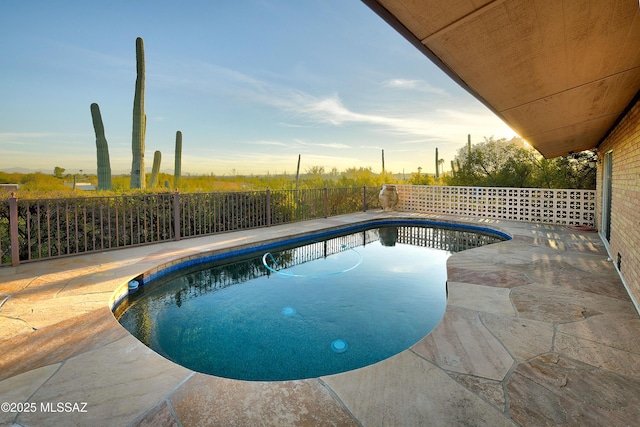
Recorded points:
(309, 312)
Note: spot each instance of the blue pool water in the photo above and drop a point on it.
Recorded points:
(317, 309)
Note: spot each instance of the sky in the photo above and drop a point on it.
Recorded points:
(251, 84)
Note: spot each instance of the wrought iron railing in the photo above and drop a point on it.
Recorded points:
(32, 230)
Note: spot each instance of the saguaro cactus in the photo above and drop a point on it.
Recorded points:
(139, 121)
(178, 165)
(157, 157)
(102, 148)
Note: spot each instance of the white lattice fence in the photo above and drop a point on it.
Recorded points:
(570, 207)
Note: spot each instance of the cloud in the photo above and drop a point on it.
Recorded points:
(291, 125)
(328, 110)
(323, 145)
(418, 85)
(314, 110)
(418, 118)
(331, 110)
(264, 142)
(417, 125)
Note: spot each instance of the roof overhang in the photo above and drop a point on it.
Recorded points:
(559, 73)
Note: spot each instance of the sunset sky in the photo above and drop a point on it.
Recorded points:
(250, 83)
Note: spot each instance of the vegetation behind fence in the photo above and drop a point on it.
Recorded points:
(32, 230)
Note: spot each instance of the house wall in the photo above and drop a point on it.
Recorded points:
(624, 142)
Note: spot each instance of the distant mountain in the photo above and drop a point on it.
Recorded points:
(71, 171)
(23, 170)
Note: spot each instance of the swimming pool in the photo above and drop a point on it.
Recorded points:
(329, 304)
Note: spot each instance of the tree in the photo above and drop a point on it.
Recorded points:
(493, 163)
(315, 170)
(512, 163)
(421, 179)
(572, 171)
(58, 171)
(358, 177)
(315, 177)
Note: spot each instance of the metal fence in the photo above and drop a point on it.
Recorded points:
(32, 230)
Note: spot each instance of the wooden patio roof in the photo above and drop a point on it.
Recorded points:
(559, 73)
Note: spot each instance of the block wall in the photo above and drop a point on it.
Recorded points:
(624, 143)
(552, 206)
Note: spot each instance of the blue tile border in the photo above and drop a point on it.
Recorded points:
(319, 235)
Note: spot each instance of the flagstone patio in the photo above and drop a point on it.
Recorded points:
(538, 330)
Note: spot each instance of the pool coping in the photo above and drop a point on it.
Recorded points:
(174, 265)
(514, 347)
(145, 281)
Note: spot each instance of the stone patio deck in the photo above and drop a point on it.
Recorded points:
(538, 330)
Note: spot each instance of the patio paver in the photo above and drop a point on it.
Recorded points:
(538, 330)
